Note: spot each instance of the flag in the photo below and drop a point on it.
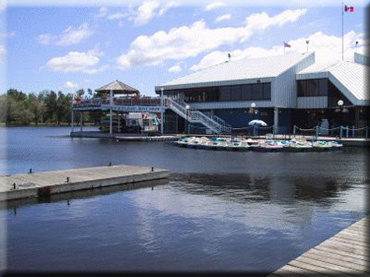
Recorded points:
(348, 9)
(286, 45)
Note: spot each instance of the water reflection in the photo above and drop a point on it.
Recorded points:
(219, 211)
(248, 188)
(68, 197)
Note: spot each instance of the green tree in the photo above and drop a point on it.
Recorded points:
(51, 107)
(36, 107)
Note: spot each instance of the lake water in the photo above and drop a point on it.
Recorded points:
(220, 211)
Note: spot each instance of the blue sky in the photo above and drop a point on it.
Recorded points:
(144, 44)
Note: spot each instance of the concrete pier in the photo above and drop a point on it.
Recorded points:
(52, 182)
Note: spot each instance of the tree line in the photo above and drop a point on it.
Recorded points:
(46, 107)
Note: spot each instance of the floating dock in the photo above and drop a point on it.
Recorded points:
(52, 182)
(345, 254)
(123, 137)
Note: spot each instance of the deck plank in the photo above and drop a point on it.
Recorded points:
(347, 252)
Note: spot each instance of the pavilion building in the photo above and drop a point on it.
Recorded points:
(283, 91)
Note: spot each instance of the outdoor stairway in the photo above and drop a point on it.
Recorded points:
(213, 122)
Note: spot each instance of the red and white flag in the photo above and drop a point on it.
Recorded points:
(348, 9)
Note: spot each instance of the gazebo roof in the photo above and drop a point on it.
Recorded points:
(117, 87)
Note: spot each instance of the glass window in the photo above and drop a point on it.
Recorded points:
(257, 91)
(301, 88)
(323, 87)
(246, 91)
(225, 94)
(266, 91)
(316, 87)
(235, 93)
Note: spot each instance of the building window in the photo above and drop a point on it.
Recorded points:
(257, 91)
(225, 94)
(235, 93)
(266, 91)
(246, 92)
(314, 87)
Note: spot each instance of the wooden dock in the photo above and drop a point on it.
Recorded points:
(122, 136)
(52, 182)
(146, 138)
(346, 253)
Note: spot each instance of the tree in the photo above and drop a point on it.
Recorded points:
(36, 107)
(17, 95)
(51, 106)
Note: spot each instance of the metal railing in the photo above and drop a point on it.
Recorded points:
(213, 122)
(216, 124)
(340, 131)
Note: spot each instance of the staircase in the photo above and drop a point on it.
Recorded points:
(213, 122)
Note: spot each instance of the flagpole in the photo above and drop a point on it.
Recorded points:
(342, 32)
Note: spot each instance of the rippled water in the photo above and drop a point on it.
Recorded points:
(220, 211)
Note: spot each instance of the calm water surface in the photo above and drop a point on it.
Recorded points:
(220, 211)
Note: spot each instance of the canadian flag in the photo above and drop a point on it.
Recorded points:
(348, 9)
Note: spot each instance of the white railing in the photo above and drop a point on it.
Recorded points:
(214, 123)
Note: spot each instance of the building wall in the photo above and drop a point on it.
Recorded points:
(362, 59)
(230, 105)
(284, 86)
(239, 118)
(312, 102)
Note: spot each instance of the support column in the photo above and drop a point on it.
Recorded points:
(162, 117)
(357, 116)
(276, 120)
(110, 112)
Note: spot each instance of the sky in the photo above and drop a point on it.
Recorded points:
(68, 45)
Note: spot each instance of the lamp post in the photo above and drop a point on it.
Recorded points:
(340, 104)
(187, 107)
(253, 106)
(252, 111)
(307, 42)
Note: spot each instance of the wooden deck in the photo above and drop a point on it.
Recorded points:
(346, 253)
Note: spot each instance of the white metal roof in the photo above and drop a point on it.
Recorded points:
(348, 77)
(238, 71)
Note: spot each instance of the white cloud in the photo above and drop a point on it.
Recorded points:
(85, 62)
(142, 14)
(7, 34)
(2, 55)
(117, 16)
(44, 39)
(328, 49)
(214, 5)
(189, 41)
(69, 36)
(167, 6)
(145, 12)
(2, 50)
(175, 69)
(2, 5)
(70, 84)
(223, 17)
(103, 11)
(149, 10)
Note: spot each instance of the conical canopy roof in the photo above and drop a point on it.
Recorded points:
(117, 87)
